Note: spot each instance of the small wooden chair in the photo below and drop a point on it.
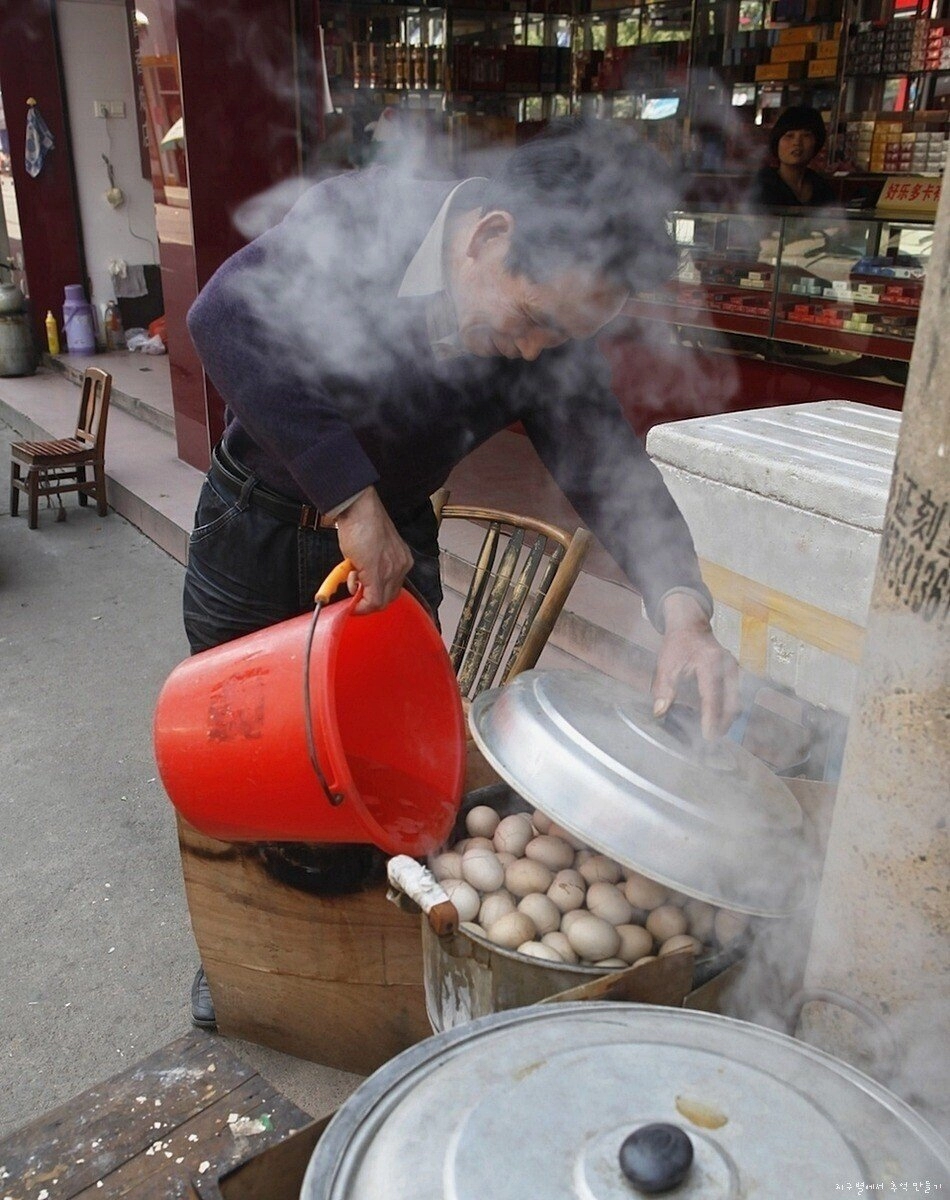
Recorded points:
(524, 572)
(59, 465)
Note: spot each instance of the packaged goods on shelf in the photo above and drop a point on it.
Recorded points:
(780, 71)
(822, 68)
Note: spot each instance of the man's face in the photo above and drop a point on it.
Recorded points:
(512, 316)
(797, 147)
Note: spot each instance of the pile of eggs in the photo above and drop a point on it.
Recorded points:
(525, 884)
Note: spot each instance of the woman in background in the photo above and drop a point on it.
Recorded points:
(796, 138)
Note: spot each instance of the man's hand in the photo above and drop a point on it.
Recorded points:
(368, 538)
(690, 651)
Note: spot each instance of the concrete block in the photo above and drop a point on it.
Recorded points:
(792, 498)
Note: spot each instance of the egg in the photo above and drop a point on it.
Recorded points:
(494, 906)
(567, 890)
(568, 919)
(472, 927)
(513, 834)
(600, 869)
(558, 941)
(635, 942)
(482, 821)
(666, 922)
(524, 876)
(506, 858)
(643, 892)
(554, 853)
(475, 843)
(447, 866)
(614, 963)
(607, 901)
(682, 941)
(700, 918)
(540, 950)
(646, 958)
(511, 930)
(464, 897)
(545, 914)
(541, 823)
(593, 938)
(581, 857)
(482, 869)
(555, 830)
(729, 925)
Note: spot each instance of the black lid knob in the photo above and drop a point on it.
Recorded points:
(656, 1158)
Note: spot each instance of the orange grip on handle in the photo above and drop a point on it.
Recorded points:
(337, 577)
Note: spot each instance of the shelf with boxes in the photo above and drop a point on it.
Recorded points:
(848, 286)
(804, 52)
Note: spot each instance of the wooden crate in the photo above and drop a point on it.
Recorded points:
(333, 979)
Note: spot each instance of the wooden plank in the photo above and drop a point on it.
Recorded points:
(335, 979)
(198, 1151)
(348, 1027)
(90, 1136)
(819, 628)
(754, 642)
(664, 980)
(278, 1172)
(242, 914)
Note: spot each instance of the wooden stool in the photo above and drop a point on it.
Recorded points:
(170, 1126)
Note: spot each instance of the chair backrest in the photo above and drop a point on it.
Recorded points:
(94, 408)
(524, 572)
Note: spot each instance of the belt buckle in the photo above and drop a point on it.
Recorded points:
(309, 517)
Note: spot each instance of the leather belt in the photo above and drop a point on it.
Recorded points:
(228, 473)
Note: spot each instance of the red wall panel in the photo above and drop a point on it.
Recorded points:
(47, 205)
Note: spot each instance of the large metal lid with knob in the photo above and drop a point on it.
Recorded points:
(593, 1101)
(706, 818)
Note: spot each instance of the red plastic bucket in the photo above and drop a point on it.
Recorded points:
(388, 733)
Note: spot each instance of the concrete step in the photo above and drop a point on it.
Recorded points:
(147, 483)
(122, 399)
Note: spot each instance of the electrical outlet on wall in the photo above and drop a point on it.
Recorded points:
(108, 108)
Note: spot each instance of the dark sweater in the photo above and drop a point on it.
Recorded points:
(331, 384)
(770, 190)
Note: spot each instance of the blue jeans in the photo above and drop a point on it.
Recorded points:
(248, 569)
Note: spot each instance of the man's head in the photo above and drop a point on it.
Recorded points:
(571, 224)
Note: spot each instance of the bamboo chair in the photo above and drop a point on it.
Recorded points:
(521, 579)
(59, 465)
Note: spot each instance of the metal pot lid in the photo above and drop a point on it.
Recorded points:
(706, 818)
(539, 1101)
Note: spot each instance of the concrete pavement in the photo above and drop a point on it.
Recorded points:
(95, 938)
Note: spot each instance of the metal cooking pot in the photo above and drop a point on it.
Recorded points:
(466, 976)
(550, 1102)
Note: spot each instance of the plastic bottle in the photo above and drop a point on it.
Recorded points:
(52, 333)
(115, 334)
(78, 321)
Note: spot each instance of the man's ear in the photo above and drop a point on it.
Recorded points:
(493, 232)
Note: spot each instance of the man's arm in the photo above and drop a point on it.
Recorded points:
(591, 450)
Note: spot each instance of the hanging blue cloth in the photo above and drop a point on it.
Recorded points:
(39, 140)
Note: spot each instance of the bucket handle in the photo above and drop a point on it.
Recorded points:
(324, 593)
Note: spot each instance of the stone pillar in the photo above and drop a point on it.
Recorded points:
(881, 933)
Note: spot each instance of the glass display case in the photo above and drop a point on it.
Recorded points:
(835, 291)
